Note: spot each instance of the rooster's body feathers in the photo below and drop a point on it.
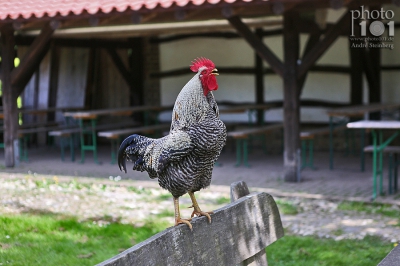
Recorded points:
(183, 160)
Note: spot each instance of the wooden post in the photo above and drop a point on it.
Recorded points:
(259, 82)
(136, 62)
(356, 68)
(375, 55)
(291, 105)
(53, 86)
(9, 97)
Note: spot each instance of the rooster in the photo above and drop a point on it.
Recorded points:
(184, 159)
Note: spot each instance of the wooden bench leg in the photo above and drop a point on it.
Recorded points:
(238, 152)
(114, 148)
(307, 161)
(393, 171)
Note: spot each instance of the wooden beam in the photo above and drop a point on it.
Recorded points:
(120, 66)
(324, 44)
(291, 105)
(356, 68)
(136, 63)
(262, 50)
(259, 79)
(31, 61)
(375, 55)
(53, 86)
(10, 121)
(313, 39)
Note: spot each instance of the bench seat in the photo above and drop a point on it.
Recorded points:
(116, 135)
(307, 143)
(69, 132)
(394, 162)
(242, 135)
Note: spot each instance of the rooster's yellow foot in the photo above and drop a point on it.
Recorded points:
(184, 221)
(198, 212)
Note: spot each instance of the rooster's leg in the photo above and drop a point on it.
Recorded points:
(197, 211)
(178, 219)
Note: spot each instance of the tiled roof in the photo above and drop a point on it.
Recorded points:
(14, 9)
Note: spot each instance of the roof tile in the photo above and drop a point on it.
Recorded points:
(13, 9)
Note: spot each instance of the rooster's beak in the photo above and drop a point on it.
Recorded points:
(214, 72)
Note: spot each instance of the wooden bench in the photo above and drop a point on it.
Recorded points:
(242, 135)
(24, 133)
(394, 162)
(307, 143)
(67, 135)
(116, 135)
(237, 235)
(392, 259)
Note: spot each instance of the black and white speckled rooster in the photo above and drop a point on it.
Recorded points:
(183, 160)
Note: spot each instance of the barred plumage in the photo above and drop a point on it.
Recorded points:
(184, 159)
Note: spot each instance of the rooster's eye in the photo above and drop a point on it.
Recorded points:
(203, 72)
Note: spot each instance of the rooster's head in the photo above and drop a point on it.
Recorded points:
(207, 71)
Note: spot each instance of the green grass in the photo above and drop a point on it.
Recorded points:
(370, 208)
(286, 207)
(53, 240)
(309, 251)
(56, 240)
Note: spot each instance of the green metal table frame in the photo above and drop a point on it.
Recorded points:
(332, 126)
(88, 128)
(377, 158)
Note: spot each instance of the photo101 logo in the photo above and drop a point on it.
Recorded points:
(380, 30)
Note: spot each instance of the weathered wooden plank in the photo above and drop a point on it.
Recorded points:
(239, 189)
(237, 232)
(392, 258)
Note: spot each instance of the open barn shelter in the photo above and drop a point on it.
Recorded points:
(107, 54)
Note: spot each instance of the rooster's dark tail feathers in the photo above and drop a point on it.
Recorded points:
(132, 148)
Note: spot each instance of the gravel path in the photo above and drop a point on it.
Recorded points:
(135, 202)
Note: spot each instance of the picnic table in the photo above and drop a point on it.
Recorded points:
(379, 144)
(87, 121)
(342, 116)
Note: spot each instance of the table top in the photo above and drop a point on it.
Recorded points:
(124, 111)
(243, 108)
(360, 110)
(42, 111)
(368, 124)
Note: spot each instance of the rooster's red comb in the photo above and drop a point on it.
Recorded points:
(200, 62)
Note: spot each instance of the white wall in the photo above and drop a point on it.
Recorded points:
(241, 88)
